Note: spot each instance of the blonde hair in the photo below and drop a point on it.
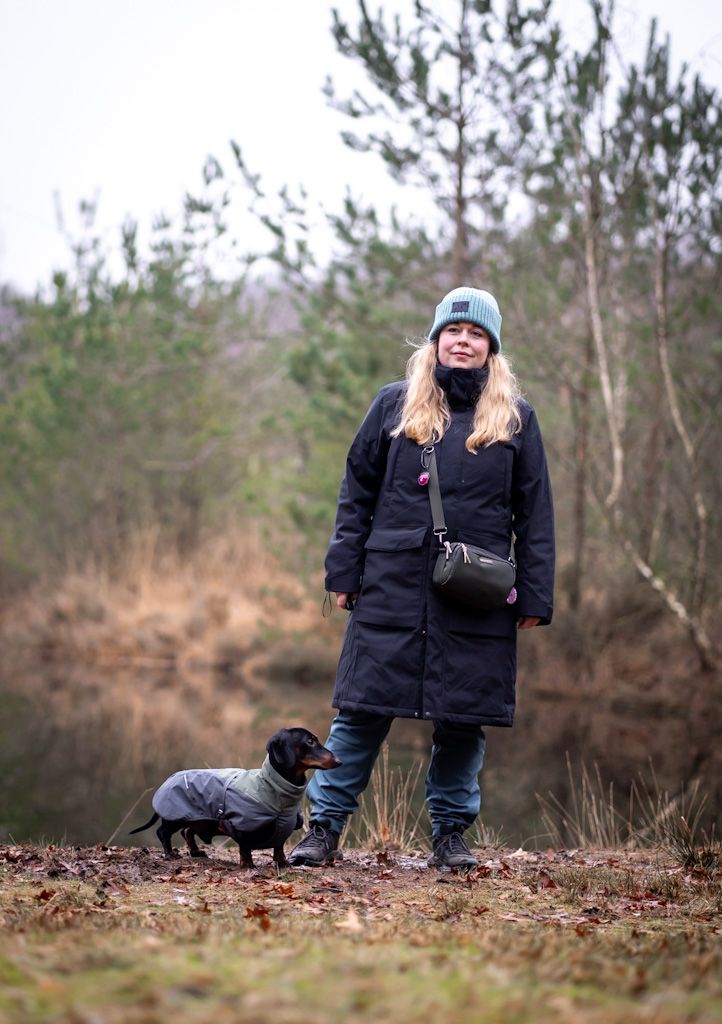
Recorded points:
(426, 414)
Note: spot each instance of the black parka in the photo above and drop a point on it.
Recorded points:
(408, 651)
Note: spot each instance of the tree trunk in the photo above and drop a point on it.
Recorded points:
(652, 498)
(460, 257)
(707, 654)
(581, 459)
(691, 622)
(699, 567)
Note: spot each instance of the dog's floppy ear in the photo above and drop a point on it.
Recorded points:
(280, 749)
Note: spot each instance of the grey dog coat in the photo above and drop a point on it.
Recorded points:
(241, 800)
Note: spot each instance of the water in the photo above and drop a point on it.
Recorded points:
(80, 748)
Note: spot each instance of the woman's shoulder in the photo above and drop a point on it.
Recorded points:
(392, 390)
(529, 427)
(390, 395)
(525, 409)
(384, 409)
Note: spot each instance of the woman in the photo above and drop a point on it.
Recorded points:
(409, 651)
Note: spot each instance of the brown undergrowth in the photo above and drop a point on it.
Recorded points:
(160, 608)
(116, 935)
(120, 674)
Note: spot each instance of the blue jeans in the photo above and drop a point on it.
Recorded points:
(452, 782)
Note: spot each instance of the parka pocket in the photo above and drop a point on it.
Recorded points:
(394, 576)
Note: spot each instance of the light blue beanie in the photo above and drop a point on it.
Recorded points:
(474, 306)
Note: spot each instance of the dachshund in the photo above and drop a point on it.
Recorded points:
(257, 807)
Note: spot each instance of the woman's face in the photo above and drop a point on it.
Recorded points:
(463, 345)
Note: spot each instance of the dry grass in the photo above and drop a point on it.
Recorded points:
(676, 823)
(590, 819)
(161, 607)
(391, 816)
(123, 673)
(122, 936)
(486, 837)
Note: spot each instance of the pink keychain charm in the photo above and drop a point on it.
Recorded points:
(423, 478)
(512, 596)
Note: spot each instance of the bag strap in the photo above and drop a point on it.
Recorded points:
(428, 461)
(437, 508)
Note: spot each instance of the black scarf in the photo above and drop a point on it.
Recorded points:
(461, 387)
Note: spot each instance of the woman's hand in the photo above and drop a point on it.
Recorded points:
(341, 599)
(528, 621)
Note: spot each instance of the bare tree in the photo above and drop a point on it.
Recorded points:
(655, 149)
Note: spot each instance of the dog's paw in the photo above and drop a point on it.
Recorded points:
(199, 853)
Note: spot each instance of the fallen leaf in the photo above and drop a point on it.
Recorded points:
(257, 911)
(69, 867)
(351, 922)
(115, 885)
(260, 914)
(331, 883)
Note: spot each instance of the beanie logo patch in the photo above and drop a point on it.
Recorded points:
(460, 307)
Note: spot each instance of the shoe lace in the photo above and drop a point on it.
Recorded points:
(454, 843)
(320, 833)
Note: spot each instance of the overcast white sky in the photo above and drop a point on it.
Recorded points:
(124, 101)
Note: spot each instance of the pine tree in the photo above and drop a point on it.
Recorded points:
(436, 92)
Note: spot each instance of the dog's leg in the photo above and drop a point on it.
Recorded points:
(246, 856)
(190, 838)
(165, 832)
(279, 857)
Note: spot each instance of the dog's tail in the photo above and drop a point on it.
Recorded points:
(142, 828)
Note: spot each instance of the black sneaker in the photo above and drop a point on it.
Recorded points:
(318, 846)
(450, 851)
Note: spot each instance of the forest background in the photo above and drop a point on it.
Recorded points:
(176, 411)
